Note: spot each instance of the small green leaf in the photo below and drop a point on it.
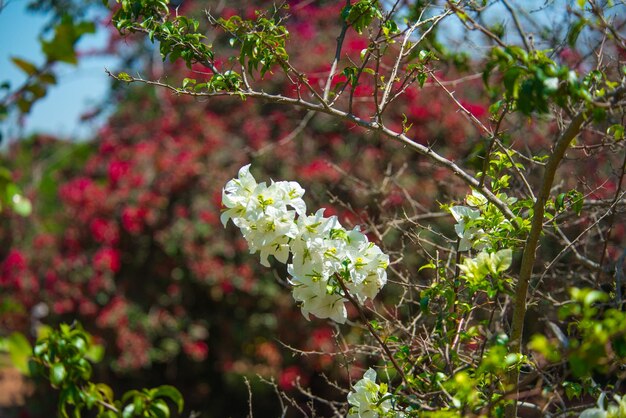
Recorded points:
(19, 351)
(560, 202)
(427, 266)
(57, 374)
(167, 391)
(106, 391)
(124, 77)
(421, 78)
(95, 352)
(188, 82)
(159, 409)
(128, 411)
(617, 131)
(47, 78)
(501, 260)
(574, 32)
(28, 67)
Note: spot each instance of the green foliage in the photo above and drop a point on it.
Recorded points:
(67, 30)
(597, 332)
(178, 37)
(476, 270)
(616, 131)
(66, 34)
(63, 355)
(596, 336)
(227, 81)
(19, 350)
(11, 196)
(151, 402)
(532, 80)
(573, 199)
(360, 15)
(261, 41)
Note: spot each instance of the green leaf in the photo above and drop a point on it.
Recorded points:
(20, 351)
(159, 409)
(574, 32)
(421, 78)
(511, 83)
(28, 67)
(594, 296)
(95, 352)
(167, 391)
(187, 82)
(617, 131)
(47, 78)
(106, 391)
(57, 374)
(560, 202)
(128, 411)
(24, 105)
(124, 77)
(427, 266)
(361, 14)
(21, 205)
(501, 260)
(66, 35)
(572, 390)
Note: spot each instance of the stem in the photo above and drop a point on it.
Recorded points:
(528, 258)
(324, 107)
(618, 192)
(333, 67)
(371, 329)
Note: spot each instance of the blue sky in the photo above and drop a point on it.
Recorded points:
(78, 90)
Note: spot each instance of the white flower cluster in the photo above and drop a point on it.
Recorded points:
(371, 400)
(470, 236)
(273, 221)
(470, 218)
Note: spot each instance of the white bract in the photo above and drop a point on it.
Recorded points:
(326, 259)
(371, 400)
(467, 234)
(612, 411)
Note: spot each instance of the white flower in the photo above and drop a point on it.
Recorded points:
(312, 242)
(367, 268)
(236, 194)
(468, 235)
(365, 399)
(269, 233)
(315, 297)
(476, 199)
(551, 84)
(273, 221)
(292, 194)
(612, 411)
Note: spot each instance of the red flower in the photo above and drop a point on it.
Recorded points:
(107, 259)
(14, 261)
(289, 377)
(118, 170)
(133, 219)
(104, 231)
(197, 350)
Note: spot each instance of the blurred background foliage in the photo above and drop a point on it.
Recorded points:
(124, 234)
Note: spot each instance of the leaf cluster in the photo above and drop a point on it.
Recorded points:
(178, 37)
(63, 357)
